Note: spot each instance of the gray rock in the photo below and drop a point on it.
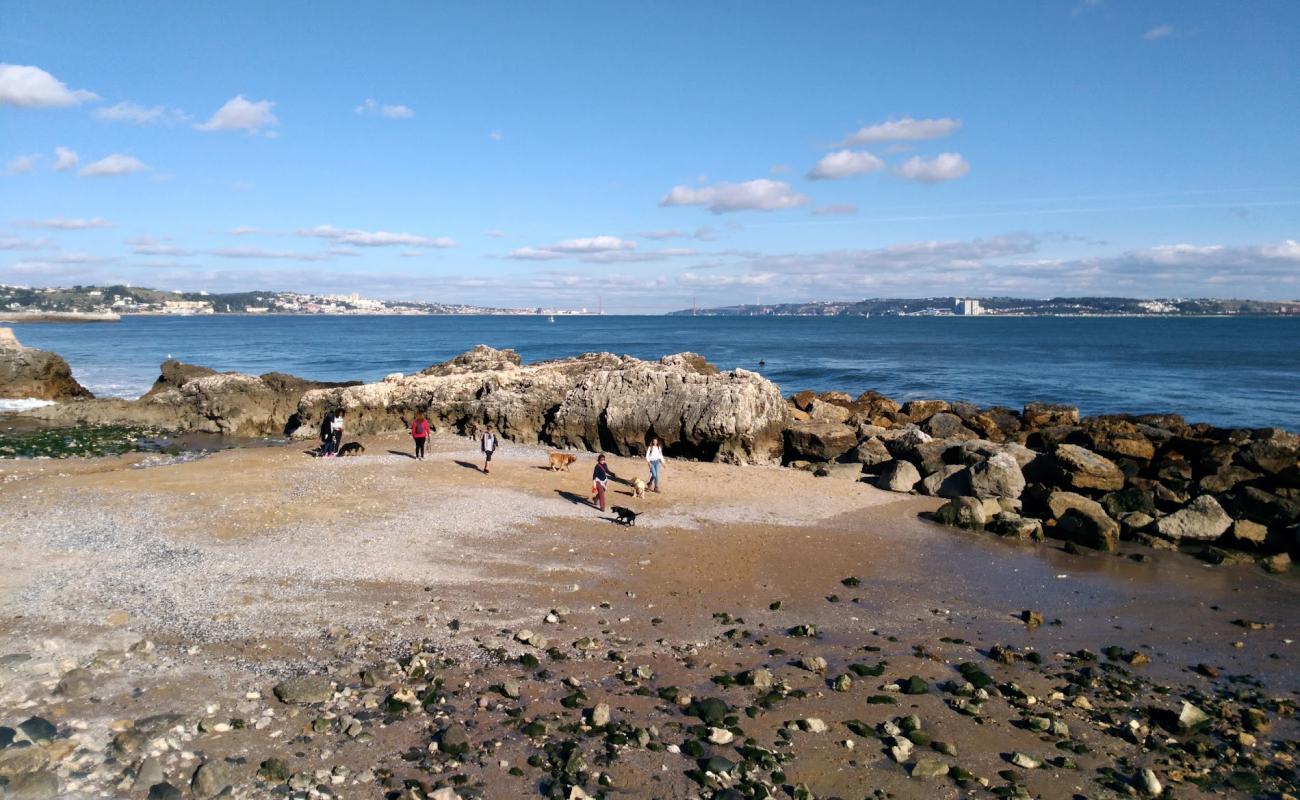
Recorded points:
(76, 683)
(305, 690)
(1079, 468)
(211, 779)
(898, 476)
(1089, 528)
(1014, 526)
(1149, 783)
(31, 786)
(453, 740)
(849, 472)
(929, 767)
(600, 715)
(1135, 521)
(971, 513)
(945, 425)
(148, 774)
(999, 476)
(870, 453)
(19, 759)
(164, 791)
(28, 373)
(1203, 519)
(952, 480)
(813, 440)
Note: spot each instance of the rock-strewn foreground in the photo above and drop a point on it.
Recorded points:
(262, 624)
(30, 374)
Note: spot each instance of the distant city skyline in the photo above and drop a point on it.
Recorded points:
(650, 157)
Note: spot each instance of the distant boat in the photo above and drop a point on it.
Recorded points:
(550, 319)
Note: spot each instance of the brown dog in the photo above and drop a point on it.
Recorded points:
(561, 461)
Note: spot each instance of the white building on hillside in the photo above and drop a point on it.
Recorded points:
(967, 308)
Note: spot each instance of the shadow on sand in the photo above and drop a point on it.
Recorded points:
(468, 465)
(401, 453)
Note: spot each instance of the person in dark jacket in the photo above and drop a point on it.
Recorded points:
(327, 435)
(600, 481)
(488, 444)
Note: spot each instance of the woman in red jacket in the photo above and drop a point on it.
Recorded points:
(419, 432)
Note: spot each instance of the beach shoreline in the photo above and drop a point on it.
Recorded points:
(251, 566)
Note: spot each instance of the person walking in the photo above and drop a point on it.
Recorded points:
(419, 432)
(488, 444)
(600, 481)
(336, 432)
(327, 435)
(654, 456)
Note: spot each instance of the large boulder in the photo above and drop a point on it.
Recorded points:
(971, 513)
(946, 425)
(596, 401)
(898, 476)
(999, 476)
(952, 480)
(870, 453)
(1203, 519)
(1078, 467)
(818, 440)
(30, 374)
(919, 411)
(1089, 527)
(1047, 415)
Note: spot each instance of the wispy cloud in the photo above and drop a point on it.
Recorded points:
(266, 254)
(836, 209)
(571, 247)
(19, 165)
(943, 167)
(32, 87)
(114, 165)
(146, 245)
(68, 223)
(65, 159)
(241, 114)
(844, 164)
(1158, 32)
(903, 129)
(756, 195)
(140, 115)
(385, 110)
(359, 238)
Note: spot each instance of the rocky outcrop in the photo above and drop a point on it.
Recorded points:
(596, 401)
(30, 374)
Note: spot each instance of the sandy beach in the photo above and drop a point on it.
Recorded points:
(134, 587)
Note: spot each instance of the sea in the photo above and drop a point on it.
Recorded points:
(1229, 371)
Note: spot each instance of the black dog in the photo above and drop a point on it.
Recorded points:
(352, 449)
(626, 516)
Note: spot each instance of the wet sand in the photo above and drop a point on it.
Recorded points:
(254, 565)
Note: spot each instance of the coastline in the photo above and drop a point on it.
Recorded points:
(263, 564)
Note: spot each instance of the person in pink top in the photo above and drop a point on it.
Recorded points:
(419, 432)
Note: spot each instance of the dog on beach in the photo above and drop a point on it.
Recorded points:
(352, 449)
(638, 487)
(561, 461)
(626, 516)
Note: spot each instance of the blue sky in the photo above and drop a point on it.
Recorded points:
(653, 154)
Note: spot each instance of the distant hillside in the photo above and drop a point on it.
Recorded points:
(1004, 306)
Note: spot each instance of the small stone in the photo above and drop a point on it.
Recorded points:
(147, 774)
(38, 729)
(453, 740)
(164, 791)
(843, 683)
(1190, 718)
(510, 688)
(1025, 761)
(813, 664)
(814, 725)
(76, 683)
(210, 779)
(305, 690)
(927, 767)
(1149, 783)
(600, 715)
(721, 736)
(1276, 564)
(1031, 618)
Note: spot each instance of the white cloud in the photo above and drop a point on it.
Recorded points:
(390, 111)
(360, 238)
(68, 224)
(1158, 32)
(64, 159)
(756, 195)
(146, 245)
(257, 252)
(496, 136)
(703, 234)
(845, 163)
(140, 115)
(572, 247)
(21, 164)
(33, 87)
(242, 230)
(904, 129)
(836, 208)
(112, 165)
(240, 114)
(494, 234)
(16, 243)
(943, 167)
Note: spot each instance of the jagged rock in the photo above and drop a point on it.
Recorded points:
(822, 411)
(1225, 479)
(174, 374)
(1276, 564)
(818, 440)
(1014, 526)
(919, 411)
(1060, 502)
(30, 374)
(596, 401)
(1273, 455)
(870, 453)
(1118, 437)
(946, 425)
(1079, 468)
(1202, 519)
(1089, 527)
(1135, 521)
(952, 480)
(1132, 498)
(971, 513)
(479, 358)
(1044, 415)
(999, 476)
(898, 476)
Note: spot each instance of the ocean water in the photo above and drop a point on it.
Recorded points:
(1240, 371)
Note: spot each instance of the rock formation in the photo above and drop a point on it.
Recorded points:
(27, 373)
(596, 401)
